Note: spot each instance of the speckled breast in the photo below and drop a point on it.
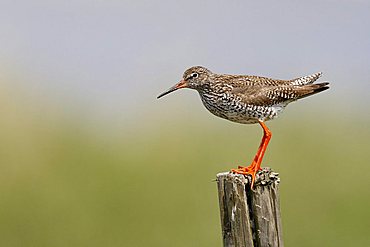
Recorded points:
(233, 109)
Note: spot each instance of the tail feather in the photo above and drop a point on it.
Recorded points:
(300, 81)
(310, 89)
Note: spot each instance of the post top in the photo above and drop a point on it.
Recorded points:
(264, 177)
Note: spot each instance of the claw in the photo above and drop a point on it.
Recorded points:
(250, 170)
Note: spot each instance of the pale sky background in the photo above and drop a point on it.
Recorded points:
(110, 59)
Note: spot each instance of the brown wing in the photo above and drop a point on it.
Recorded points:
(249, 80)
(273, 95)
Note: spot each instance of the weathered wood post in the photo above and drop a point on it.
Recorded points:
(250, 218)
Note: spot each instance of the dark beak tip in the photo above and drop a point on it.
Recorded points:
(164, 93)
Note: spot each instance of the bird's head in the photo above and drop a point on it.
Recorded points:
(195, 77)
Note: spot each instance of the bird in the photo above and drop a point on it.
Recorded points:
(247, 99)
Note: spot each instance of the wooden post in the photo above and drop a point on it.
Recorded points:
(250, 218)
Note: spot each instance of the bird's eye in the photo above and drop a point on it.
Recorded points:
(194, 75)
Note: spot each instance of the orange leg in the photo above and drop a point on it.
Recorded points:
(256, 163)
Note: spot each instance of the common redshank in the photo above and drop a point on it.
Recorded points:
(247, 99)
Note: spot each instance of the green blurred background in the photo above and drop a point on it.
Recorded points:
(89, 157)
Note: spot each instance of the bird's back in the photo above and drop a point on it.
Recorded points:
(251, 80)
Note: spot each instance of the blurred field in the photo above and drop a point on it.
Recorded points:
(62, 184)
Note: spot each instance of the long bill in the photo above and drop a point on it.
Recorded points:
(179, 85)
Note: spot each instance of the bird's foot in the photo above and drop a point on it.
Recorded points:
(248, 170)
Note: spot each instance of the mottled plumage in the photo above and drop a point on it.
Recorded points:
(247, 99)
